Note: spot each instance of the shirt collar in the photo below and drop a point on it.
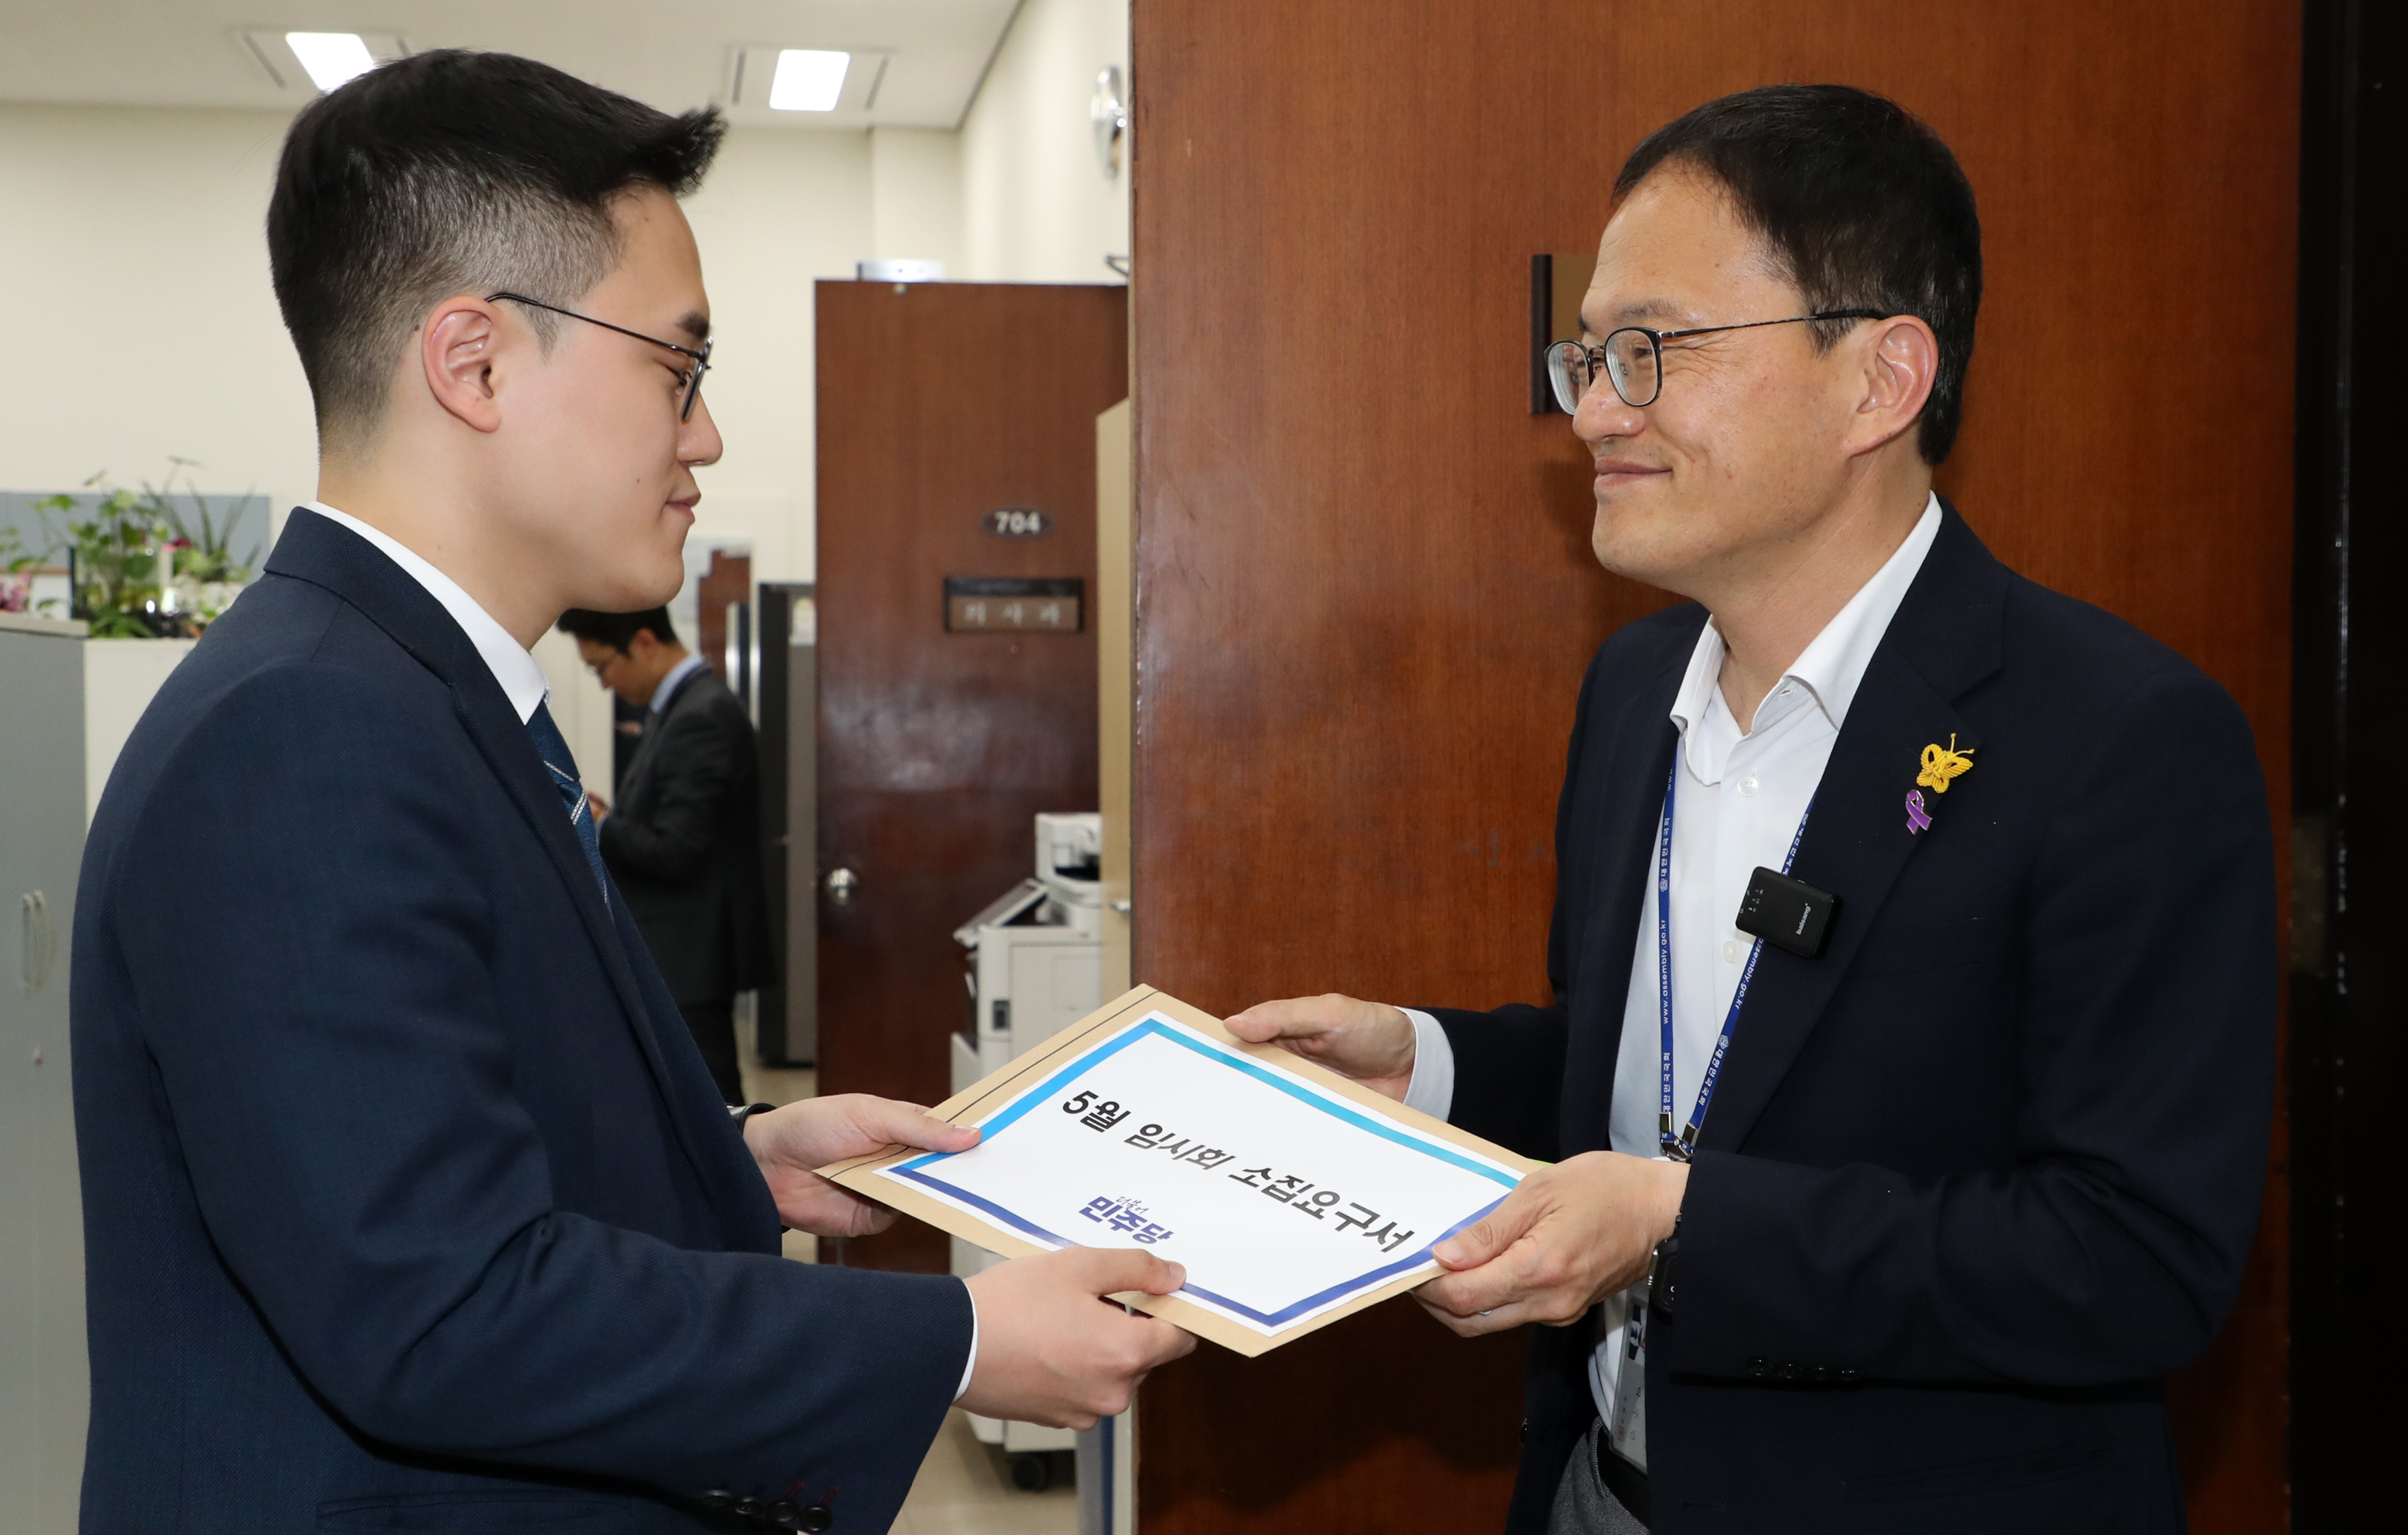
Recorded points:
(673, 681)
(517, 670)
(1832, 667)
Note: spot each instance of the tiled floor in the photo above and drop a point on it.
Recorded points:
(964, 1487)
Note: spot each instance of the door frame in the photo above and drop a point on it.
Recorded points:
(2349, 644)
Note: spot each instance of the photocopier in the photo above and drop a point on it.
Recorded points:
(1036, 967)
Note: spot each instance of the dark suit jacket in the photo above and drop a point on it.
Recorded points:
(1975, 1179)
(684, 843)
(408, 1202)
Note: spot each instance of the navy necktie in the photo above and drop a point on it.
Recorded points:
(554, 749)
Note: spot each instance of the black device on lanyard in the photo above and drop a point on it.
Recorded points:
(1787, 913)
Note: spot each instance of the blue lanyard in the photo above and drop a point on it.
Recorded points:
(1682, 1147)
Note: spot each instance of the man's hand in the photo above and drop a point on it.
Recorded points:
(1051, 1351)
(1569, 1237)
(789, 1143)
(599, 806)
(1369, 1041)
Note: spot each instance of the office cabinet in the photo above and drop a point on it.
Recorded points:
(44, 1389)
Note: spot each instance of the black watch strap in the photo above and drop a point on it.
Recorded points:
(1662, 1279)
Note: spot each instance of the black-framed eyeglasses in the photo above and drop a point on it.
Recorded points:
(1632, 358)
(693, 375)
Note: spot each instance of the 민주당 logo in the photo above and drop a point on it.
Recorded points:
(1124, 1214)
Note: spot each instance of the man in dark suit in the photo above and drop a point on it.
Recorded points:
(1909, 1068)
(684, 843)
(408, 1205)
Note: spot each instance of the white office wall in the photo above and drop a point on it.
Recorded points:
(915, 198)
(131, 245)
(1036, 206)
(131, 251)
(781, 208)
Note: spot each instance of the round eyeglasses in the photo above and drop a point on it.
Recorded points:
(1632, 358)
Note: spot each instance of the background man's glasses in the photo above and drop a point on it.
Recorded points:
(693, 375)
(1632, 358)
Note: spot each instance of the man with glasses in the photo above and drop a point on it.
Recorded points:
(1909, 1066)
(684, 843)
(409, 1202)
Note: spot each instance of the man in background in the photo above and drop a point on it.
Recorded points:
(684, 842)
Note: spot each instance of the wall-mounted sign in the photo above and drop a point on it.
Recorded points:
(1013, 604)
(1018, 523)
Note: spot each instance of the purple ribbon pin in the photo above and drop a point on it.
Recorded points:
(1917, 818)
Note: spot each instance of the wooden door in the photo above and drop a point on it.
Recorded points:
(1364, 590)
(945, 726)
(727, 582)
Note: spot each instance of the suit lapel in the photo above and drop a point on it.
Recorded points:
(639, 768)
(510, 752)
(325, 554)
(1942, 640)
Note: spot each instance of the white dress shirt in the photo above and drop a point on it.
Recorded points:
(512, 665)
(1736, 806)
(520, 676)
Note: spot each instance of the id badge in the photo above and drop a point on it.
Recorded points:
(1627, 1432)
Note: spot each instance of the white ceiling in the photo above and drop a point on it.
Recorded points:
(673, 53)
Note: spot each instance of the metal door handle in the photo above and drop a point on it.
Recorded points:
(41, 940)
(841, 885)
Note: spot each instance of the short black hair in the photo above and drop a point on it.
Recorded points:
(446, 172)
(1862, 203)
(618, 630)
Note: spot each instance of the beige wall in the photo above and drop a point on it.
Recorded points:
(915, 202)
(1036, 207)
(132, 253)
(131, 245)
(134, 250)
(781, 208)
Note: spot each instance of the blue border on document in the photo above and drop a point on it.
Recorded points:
(1152, 1025)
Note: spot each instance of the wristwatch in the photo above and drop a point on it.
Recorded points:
(1660, 1284)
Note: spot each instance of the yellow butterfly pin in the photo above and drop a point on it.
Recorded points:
(1942, 763)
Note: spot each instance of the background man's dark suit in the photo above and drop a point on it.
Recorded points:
(684, 844)
(1977, 1178)
(408, 1204)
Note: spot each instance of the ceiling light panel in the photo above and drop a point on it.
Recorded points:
(303, 60)
(770, 82)
(808, 80)
(331, 59)
(177, 53)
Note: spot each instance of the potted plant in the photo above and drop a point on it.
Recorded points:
(114, 564)
(207, 576)
(140, 566)
(16, 572)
